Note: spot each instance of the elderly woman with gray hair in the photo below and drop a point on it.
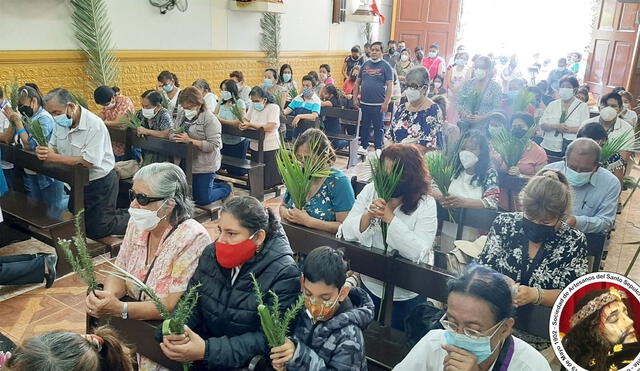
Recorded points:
(419, 120)
(161, 247)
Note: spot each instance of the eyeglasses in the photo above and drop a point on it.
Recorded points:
(143, 199)
(474, 334)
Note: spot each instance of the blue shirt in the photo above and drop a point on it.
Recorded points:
(373, 82)
(335, 195)
(47, 123)
(594, 204)
(301, 106)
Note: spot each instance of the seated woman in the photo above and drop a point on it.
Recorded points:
(305, 106)
(628, 105)
(269, 84)
(450, 132)
(169, 86)
(437, 86)
(156, 122)
(331, 98)
(232, 145)
(113, 107)
(224, 330)
(203, 130)
(479, 307)
(532, 161)
(287, 82)
(162, 246)
(330, 199)
(66, 350)
(410, 215)
(419, 120)
(324, 72)
(347, 86)
(403, 66)
(40, 187)
(210, 99)
(264, 113)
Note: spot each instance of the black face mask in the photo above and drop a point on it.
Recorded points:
(392, 50)
(518, 132)
(419, 55)
(26, 110)
(537, 233)
(352, 78)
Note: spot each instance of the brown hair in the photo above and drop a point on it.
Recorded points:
(415, 175)
(192, 96)
(546, 195)
(68, 351)
(313, 136)
(632, 101)
(238, 75)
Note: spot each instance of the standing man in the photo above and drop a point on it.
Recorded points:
(374, 83)
(81, 137)
(392, 53)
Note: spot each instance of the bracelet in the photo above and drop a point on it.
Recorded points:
(539, 299)
(23, 130)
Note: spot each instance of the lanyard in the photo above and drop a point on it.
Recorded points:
(505, 356)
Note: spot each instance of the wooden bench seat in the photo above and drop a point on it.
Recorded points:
(348, 118)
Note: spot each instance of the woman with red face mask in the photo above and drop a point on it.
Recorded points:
(224, 330)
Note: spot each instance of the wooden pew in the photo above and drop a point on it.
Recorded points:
(348, 118)
(254, 167)
(386, 346)
(307, 124)
(35, 218)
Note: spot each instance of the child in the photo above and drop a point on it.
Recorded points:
(328, 334)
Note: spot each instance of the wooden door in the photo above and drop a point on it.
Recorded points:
(423, 22)
(613, 47)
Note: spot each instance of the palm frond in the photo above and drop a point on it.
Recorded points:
(270, 28)
(80, 99)
(525, 98)
(472, 99)
(510, 147)
(297, 175)
(236, 110)
(629, 141)
(385, 182)
(92, 31)
(13, 93)
(133, 121)
(80, 261)
(35, 129)
(293, 92)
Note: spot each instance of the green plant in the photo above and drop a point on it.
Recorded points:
(270, 28)
(274, 325)
(92, 31)
(293, 92)
(510, 147)
(236, 110)
(173, 323)
(132, 120)
(298, 175)
(178, 130)
(35, 129)
(80, 99)
(627, 141)
(165, 101)
(525, 98)
(13, 93)
(81, 261)
(385, 183)
(472, 100)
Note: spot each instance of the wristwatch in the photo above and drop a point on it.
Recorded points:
(125, 311)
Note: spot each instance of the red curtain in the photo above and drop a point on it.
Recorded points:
(568, 309)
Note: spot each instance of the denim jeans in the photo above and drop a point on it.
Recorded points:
(21, 269)
(206, 190)
(52, 195)
(371, 118)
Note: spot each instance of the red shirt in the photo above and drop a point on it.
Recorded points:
(433, 65)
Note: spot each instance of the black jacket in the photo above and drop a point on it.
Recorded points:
(226, 315)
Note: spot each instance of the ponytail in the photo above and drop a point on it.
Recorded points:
(114, 353)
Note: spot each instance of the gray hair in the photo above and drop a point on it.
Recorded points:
(420, 74)
(202, 84)
(585, 146)
(62, 96)
(56, 351)
(169, 181)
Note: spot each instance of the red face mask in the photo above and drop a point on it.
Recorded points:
(233, 255)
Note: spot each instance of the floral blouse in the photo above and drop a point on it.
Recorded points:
(422, 127)
(123, 104)
(564, 259)
(335, 195)
(472, 101)
(489, 190)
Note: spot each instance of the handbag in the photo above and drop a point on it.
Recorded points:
(127, 169)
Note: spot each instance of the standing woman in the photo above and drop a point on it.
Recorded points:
(232, 145)
(434, 63)
(210, 99)
(324, 72)
(403, 66)
(156, 122)
(286, 81)
(354, 59)
(224, 331)
(411, 217)
(264, 113)
(243, 90)
(479, 97)
(562, 118)
(169, 86)
(203, 130)
(455, 78)
(269, 84)
(419, 120)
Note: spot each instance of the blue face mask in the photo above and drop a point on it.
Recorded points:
(513, 95)
(258, 106)
(575, 178)
(63, 120)
(286, 77)
(307, 91)
(167, 88)
(267, 83)
(481, 347)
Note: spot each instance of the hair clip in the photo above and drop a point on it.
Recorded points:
(96, 341)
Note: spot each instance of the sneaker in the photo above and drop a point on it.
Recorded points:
(50, 261)
(362, 151)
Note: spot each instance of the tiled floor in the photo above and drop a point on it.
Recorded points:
(62, 306)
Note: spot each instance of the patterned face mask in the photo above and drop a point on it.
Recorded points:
(320, 310)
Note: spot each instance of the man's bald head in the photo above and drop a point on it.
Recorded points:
(583, 155)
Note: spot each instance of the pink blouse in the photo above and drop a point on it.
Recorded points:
(534, 157)
(123, 104)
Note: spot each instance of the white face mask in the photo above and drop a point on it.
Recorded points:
(375, 60)
(432, 54)
(190, 114)
(565, 93)
(412, 94)
(468, 159)
(625, 105)
(148, 113)
(323, 76)
(110, 105)
(144, 219)
(404, 57)
(226, 95)
(479, 73)
(437, 85)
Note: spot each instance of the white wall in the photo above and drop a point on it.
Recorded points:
(207, 25)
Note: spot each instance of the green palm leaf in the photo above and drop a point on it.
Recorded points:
(80, 99)
(270, 27)
(12, 92)
(510, 147)
(629, 141)
(92, 31)
(35, 129)
(525, 98)
(133, 121)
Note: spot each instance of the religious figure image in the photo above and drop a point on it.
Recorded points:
(601, 335)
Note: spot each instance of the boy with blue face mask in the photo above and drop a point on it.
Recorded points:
(477, 330)
(305, 106)
(327, 335)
